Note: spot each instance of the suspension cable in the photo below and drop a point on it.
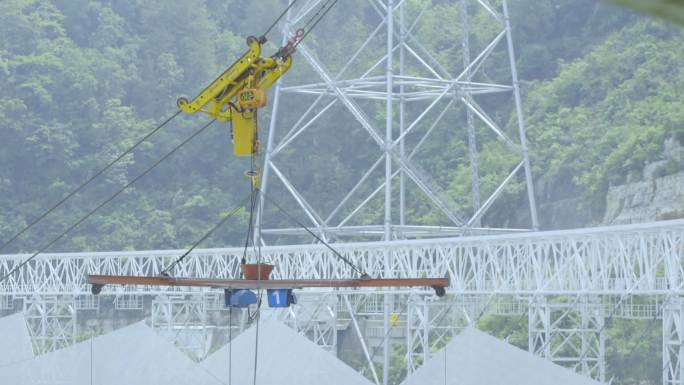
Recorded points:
(250, 225)
(279, 17)
(256, 348)
(117, 193)
(361, 273)
(329, 4)
(204, 237)
(230, 346)
(88, 181)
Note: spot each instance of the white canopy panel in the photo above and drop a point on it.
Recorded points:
(284, 358)
(134, 355)
(476, 358)
(15, 341)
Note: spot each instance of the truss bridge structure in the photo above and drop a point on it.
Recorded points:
(567, 284)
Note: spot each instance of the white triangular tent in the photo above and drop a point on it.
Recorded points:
(284, 358)
(15, 342)
(476, 358)
(134, 355)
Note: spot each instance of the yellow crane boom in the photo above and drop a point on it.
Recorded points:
(239, 92)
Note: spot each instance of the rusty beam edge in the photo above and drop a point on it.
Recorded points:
(265, 284)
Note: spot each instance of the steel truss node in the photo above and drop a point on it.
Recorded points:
(51, 321)
(417, 92)
(569, 332)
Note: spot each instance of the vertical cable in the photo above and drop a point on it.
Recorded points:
(445, 364)
(256, 346)
(230, 345)
(91, 359)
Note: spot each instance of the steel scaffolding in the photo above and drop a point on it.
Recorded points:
(183, 320)
(315, 315)
(569, 332)
(51, 321)
(673, 335)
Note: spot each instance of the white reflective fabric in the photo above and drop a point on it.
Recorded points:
(476, 358)
(134, 355)
(15, 342)
(284, 358)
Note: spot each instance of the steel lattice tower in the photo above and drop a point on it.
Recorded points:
(410, 92)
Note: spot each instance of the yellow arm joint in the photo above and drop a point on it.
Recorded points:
(224, 82)
(269, 78)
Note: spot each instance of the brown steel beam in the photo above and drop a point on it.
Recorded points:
(98, 281)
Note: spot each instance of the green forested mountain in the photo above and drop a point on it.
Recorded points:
(81, 80)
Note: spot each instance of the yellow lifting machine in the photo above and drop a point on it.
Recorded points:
(238, 93)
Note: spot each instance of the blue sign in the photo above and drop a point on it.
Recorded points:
(280, 297)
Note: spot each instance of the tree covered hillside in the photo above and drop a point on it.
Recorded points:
(81, 80)
(607, 114)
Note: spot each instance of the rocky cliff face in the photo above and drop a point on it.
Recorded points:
(658, 196)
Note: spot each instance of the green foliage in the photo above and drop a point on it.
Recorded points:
(83, 79)
(512, 329)
(634, 352)
(607, 114)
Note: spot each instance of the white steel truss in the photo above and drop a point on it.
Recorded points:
(183, 320)
(315, 316)
(673, 345)
(643, 259)
(431, 324)
(569, 332)
(405, 74)
(51, 321)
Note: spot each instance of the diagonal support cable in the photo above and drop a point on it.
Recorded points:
(105, 202)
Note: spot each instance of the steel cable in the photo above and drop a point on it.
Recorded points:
(279, 17)
(349, 263)
(317, 20)
(88, 181)
(206, 235)
(105, 202)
